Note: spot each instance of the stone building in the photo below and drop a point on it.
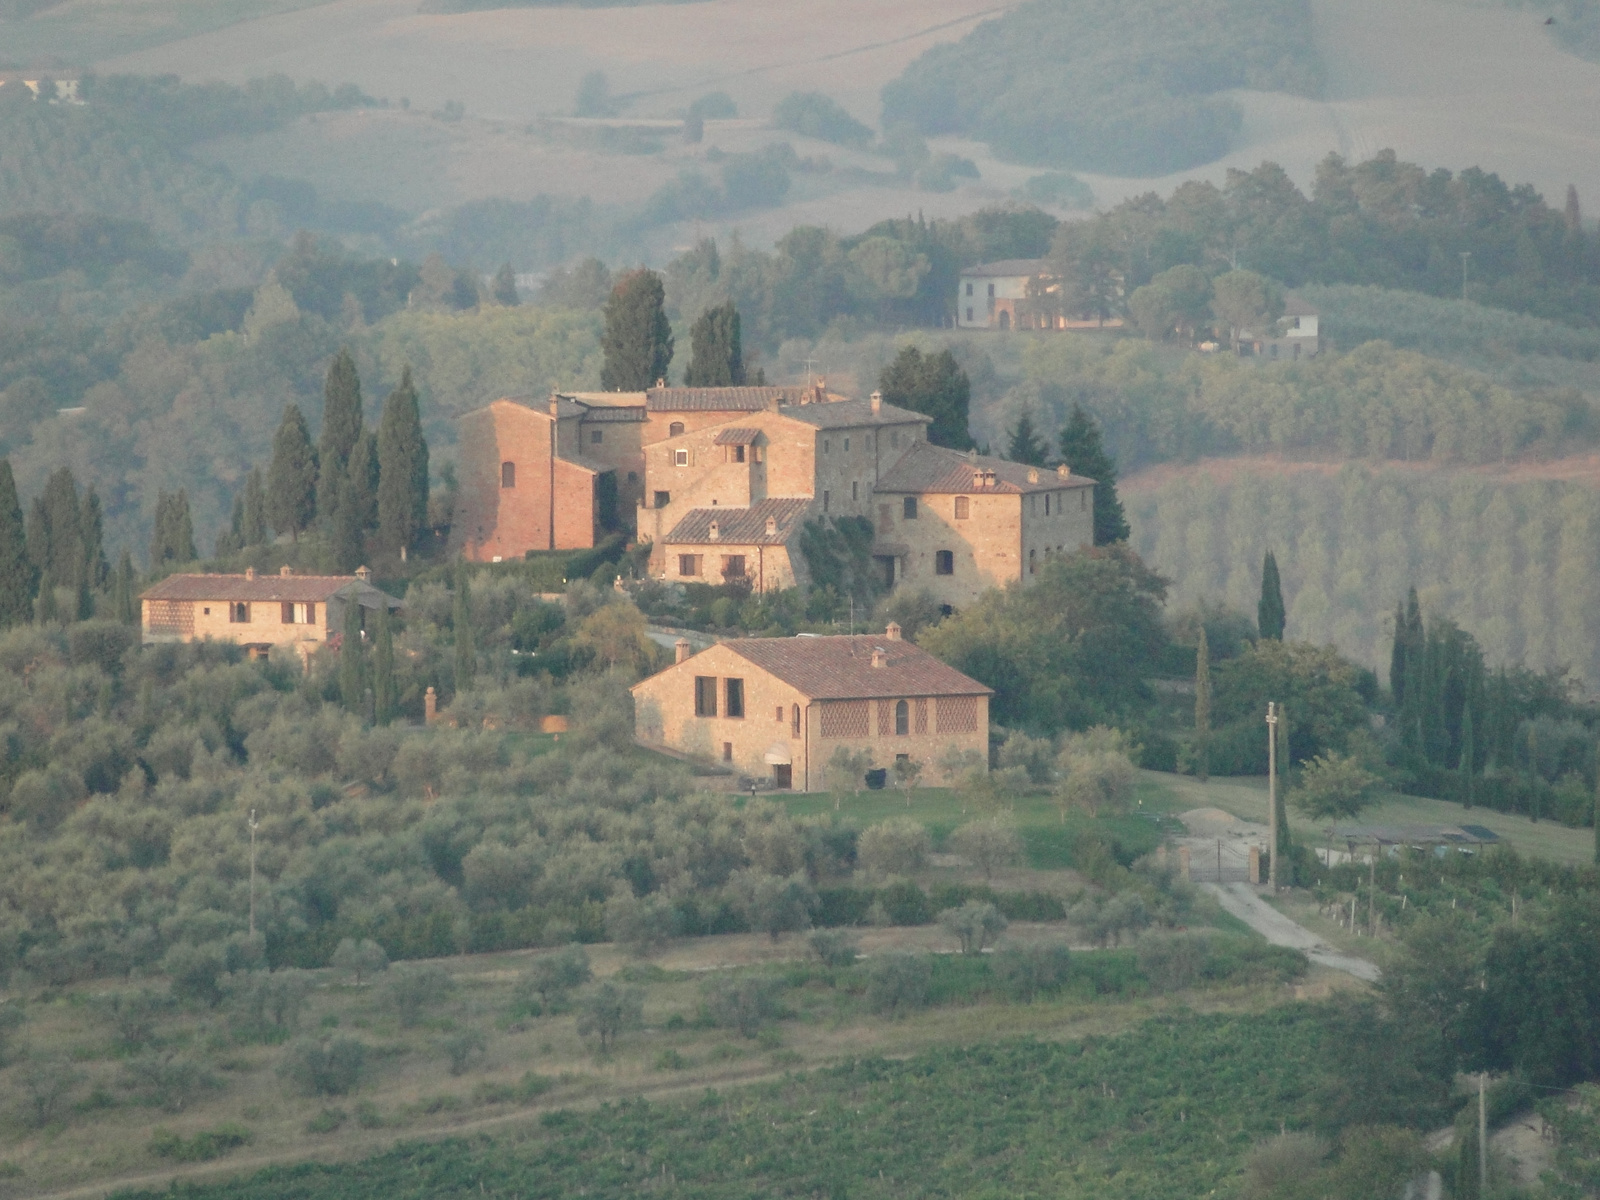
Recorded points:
(257, 611)
(778, 708)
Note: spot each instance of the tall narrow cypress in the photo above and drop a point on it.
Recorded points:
(1202, 707)
(292, 477)
(1269, 610)
(49, 611)
(352, 678)
(637, 342)
(341, 430)
(124, 607)
(718, 349)
(346, 532)
(383, 668)
(402, 469)
(18, 575)
(466, 653)
(1397, 656)
(1468, 750)
(253, 528)
(91, 525)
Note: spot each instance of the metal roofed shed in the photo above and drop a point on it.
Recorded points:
(1465, 837)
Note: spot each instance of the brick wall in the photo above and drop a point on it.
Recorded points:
(551, 502)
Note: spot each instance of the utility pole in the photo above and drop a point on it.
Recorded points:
(254, 824)
(1272, 794)
(1465, 254)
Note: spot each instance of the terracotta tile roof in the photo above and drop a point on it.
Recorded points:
(927, 468)
(721, 399)
(852, 414)
(736, 437)
(840, 668)
(1007, 268)
(300, 589)
(740, 526)
(613, 413)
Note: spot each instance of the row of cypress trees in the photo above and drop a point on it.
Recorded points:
(637, 343)
(352, 481)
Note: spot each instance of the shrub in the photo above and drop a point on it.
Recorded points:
(608, 1011)
(168, 1081)
(642, 925)
(1029, 971)
(265, 1006)
(772, 905)
(358, 958)
(898, 846)
(464, 1049)
(975, 924)
(1171, 961)
(202, 1147)
(835, 947)
(550, 977)
(330, 1068)
(525, 1091)
(898, 983)
(742, 1002)
(47, 1082)
(816, 115)
(410, 991)
(132, 1016)
(328, 1120)
(194, 972)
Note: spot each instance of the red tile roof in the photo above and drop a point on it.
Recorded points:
(928, 468)
(840, 668)
(293, 588)
(721, 399)
(1007, 268)
(736, 436)
(741, 526)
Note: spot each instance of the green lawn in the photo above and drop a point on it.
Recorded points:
(1246, 798)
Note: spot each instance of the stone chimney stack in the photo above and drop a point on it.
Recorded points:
(682, 649)
(877, 402)
(1064, 471)
(250, 574)
(880, 657)
(555, 405)
(772, 526)
(286, 570)
(894, 631)
(430, 707)
(716, 531)
(364, 574)
(1033, 474)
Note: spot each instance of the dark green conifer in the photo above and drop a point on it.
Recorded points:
(1083, 452)
(92, 528)
(352, 656)
(173, 539)
(346, 533)
(936, 386)
(364, 480)
(1468, 751)
(383, 696)
(402, 469)
(1269, 609)
(1026, 446)
(637, 342)
(253, 529)
(124, 605)
(18, 574)
(504, 289)
(341, 430)
(49, 611)
(55, 529)
(461, 619)
(292, 477)
(718, 350)
(1202, 707)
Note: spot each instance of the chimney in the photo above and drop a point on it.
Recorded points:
(1033, 474)
(877, 402)
(1064, 471)
(286, 570)
(716, 531)
(661, 383)
(772, 526)
(250, 574)
(977, 481)
(364, 574)
(773, 402)
(894, 631)
(683, 649)
(820, 392)
(880, 657)
(555, 405)
(988, 478)
(430, 707)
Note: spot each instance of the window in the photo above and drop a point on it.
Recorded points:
(733, 566)
(705, 695)
(902, 718)
(847, 445)
(1083, 499)
(508, 475)
(755, 453)
(1047, 504)
(969, 314)
(991, 291)
(680, 458)
(825, 498)
(778, 715)
(1033, 505)
(727, 751)
(1032, 567)
(663, 499)
(827, 445)
(963, 508)
(944, 562)
(299, 614)
(738, 454)
(207, 611)
(969, 292)
(794, 719)
(596, 436)
(633, 477)
(855, 490)
(735, 690)
(909, 508)
(239, 613)
(688, 564)
(885, 519)
(675, 429)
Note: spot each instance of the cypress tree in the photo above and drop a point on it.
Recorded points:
(1026, 446)
(55, 531)
(1202, 707)
(1596, 818)
(461, 619)
(637, 342)
(253, 530)
(173, 541)
(383, 669)
(936, 386)
(84, 602)
(352, 677)
(1083, 452)
(18, 574)
(346, 533)
(1468, 750)
(1269, 610)
(402, 469)
(1397, 656)
(341, 430)
(92, 526)
(504, 288)
(1284, 850)
(718, 350)
(292, 477)
(124, 607)
(48, 610)
(364, 480)
(231, 540)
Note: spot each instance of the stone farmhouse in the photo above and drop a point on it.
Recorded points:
(258, 612)
(1020, 293)
(722, 481)
(778, 708)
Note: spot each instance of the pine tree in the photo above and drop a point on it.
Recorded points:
(341, 430)
(936, 386)
(346, 533)
(18, 574)
(466, 653)
(253, 531)
(292, 477)
(124, 607)
(1269, 609)
(1084, 454)
(637, 343)
(383, 698)
(718, 351)
(1468, 750)
(352, 676)
(402, 469)
(1202, 707)
(504, 288)
(1026, 446)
